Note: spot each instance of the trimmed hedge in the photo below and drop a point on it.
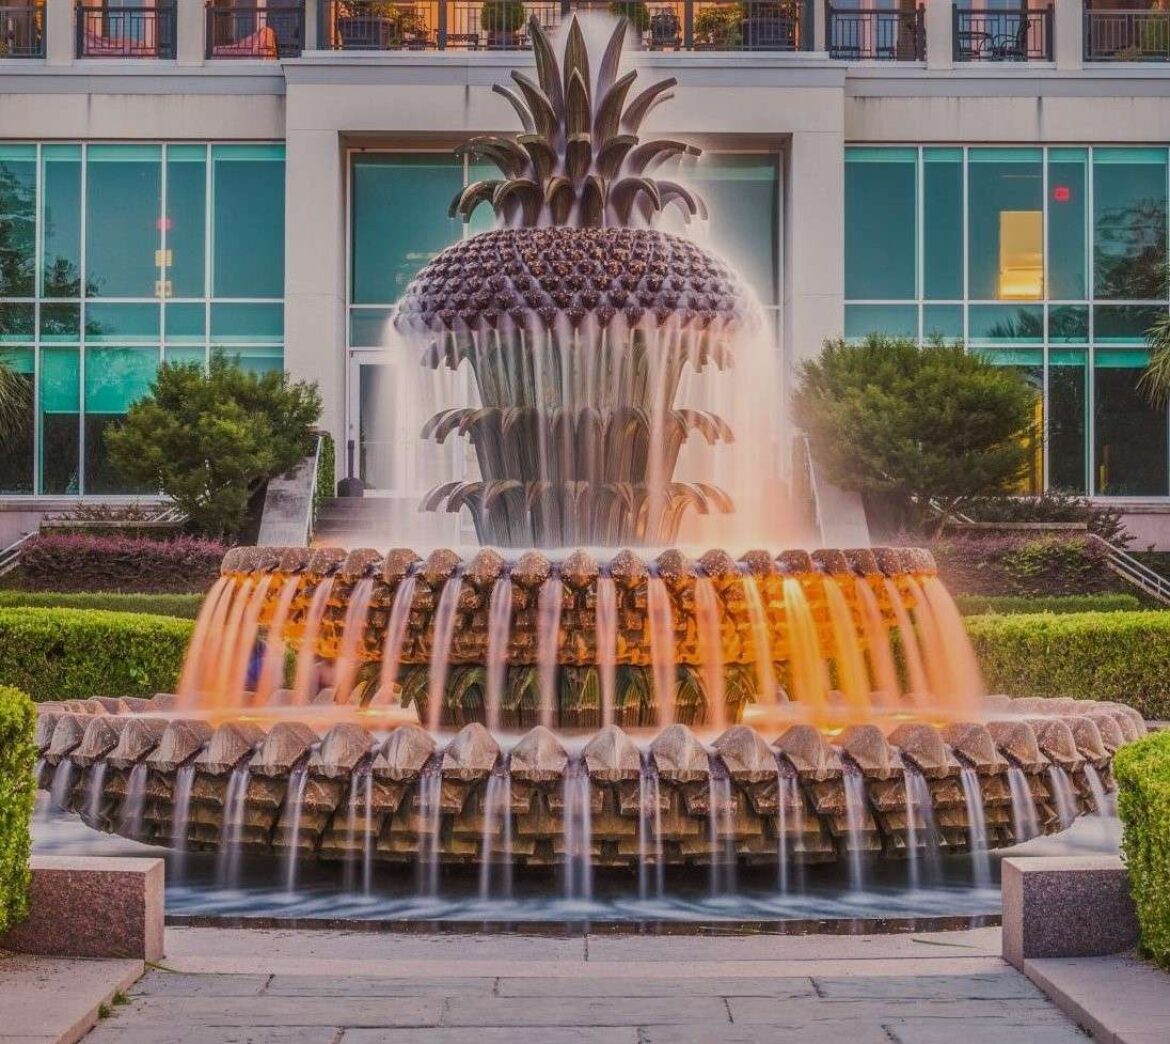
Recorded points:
(18, 720)
(81, 562)
(1143, 781)
(977, 605)
(1045, 564)
(1106, 656)
(181, 606)
(63, 654)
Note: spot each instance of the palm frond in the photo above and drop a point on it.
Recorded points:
(14, 402)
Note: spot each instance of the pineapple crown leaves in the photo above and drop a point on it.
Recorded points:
(579, 160)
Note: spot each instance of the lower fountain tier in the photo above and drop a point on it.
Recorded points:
(394, 798)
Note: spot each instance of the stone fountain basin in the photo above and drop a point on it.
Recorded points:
(749, 793)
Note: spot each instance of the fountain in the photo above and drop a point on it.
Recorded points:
(593, 697)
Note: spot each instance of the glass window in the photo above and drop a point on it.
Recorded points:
(60, 323)
(1029, 364)
(17, 322)
(247, 323)
(186, 323)
(892, 320)
(125, 323)
(61, 220)
(397, 226)
(1068, 403)
(248, 220)
(185, 223)
(1006, 324)
(880, 224)
(185, 356)
(257, 360)
(1005, 222)
(1130, 454)
(1129, 222)
(1068, 205)
(16, 462)
(369, 327)
(942, 235)
(1068, 324)
(945, 321)
(60, 392)
(1124, 324)
(115, 378)
(123, 218)
(18, 224)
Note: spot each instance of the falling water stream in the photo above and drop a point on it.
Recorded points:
(578, 826)
(135, 803)
(977, 841)
(855, 818)
(430, 790)
(181, 816)
(497, 834)
(395, 637)
(97, 781)
(1062, 795)
(441, 650)
(297, 781)
(650, 855)
(62, 786)
(235, 806)
(548, 617)
(1025, 824)
(1103, 802)
(721, 831)
(499, 635)
(607, 645)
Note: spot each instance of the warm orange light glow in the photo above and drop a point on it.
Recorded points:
(1021, 255)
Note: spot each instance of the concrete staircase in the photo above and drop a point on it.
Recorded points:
(385, 522)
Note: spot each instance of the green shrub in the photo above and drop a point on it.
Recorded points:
(1024, 564)
(326, 484)
(182, 606)
(1143, 781)
(977, 605)
(18, 720)
(1106, 656)
(63, 654)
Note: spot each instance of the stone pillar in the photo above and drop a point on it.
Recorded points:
(814, 237)
(1069, 44)
(312, 14)
(314, 270)
(59, 32)
(192, 29)
(939, 34)
(820, 21)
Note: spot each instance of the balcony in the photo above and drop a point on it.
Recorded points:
(501, 25)
(1023, 34)
(876, 35)
(1116, 35)
(22, 30)
(269, 32)
(105, 31)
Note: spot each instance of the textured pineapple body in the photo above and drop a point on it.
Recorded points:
(542, 276)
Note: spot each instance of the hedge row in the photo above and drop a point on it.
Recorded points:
(977, 605)
(182, 606)
(62, 654)
(1143, 779)
(1044, 564)
(81, 562)
(17, 791)
(1106, 656)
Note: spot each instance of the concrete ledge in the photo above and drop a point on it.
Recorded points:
(99, 907)
(1076, 906)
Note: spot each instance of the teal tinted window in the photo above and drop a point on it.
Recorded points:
(369, 327)
(1125, 324)
(18, 224)
(185, 227)
(122, 228)
(891, 320)
(1129, 222)
(185, 356)
(880, 224)
(16, 460)
(186, 323)
(1005, 324)
(942, 234)
(1005, 247)
(399, 203)
(1068, 425)
(124, 323)
(247, 323)
(60, 416)
(1068, 324)
(61, 220)
(17, 321)
(1130, 434)
(115, 378)
(1068, 213)
(60, 323)
(945, 321)
(248, 220)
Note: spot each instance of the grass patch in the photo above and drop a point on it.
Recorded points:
(181, 606)
(978, 605)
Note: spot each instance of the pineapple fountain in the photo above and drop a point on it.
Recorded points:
(571, 695)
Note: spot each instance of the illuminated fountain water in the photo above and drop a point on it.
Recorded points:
(577, 695)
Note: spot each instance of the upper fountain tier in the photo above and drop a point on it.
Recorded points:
(576, 318)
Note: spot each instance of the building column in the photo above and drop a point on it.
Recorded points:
(191, 27)
(820, 25)
(312, 11)
(60, 32)
(314, 291)
(814, 242)
(940, 26)
(1069, 43)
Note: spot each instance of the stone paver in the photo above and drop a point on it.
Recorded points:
(256, 987)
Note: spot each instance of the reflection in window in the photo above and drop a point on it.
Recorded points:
(248, 220)
(1067, 420)
(1005, 250)
(942, 234)
(1068, 202)
(115, 378)
(18, 226)
(1131, 443)
(1129, 213)
(16, 460)
(60, 391)
(122, 228)
(880, 224)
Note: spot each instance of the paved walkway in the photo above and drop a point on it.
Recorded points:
(285, 987)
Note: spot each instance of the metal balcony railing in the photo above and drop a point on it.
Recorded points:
(502, 25)
(1126, 36)
(22, 31)
(274, 31)
(895, 36)
(1020, 35)
(125, 32)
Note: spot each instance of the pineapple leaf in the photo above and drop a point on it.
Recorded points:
(636, 111)
(613, 154)
(471, 197)
(578, 110)
(576, 65)
(609, 112)
(607, 72)
(503, 152)
(543, 112)
(517, 103)
(578, 156)
(541, 153)
(625, 193)
(518, 192)
(653, 152)
(547, 70)
(684, 199)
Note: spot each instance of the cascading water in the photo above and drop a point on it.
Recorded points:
(62, 787)
(548, 636)
(499, 634)
(788, 803)
(855, 816)
(762, 640)
(96, 792)
(370, 839)
(607, 645)
(918, 794)
(180, 818)
(710, 643)
(430, 789)
(578, 826)
(297, 781)
(1025, 823)
(395, 637)
(650, 861)
(235, 806)
(976, 827)
(441, 650)
(721, 831)
(1062, 795)
(661, 624)
(497, 834)
(135, 803)
(1103, 803)
(912, 812)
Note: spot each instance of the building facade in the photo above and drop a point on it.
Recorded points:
(265, 178)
